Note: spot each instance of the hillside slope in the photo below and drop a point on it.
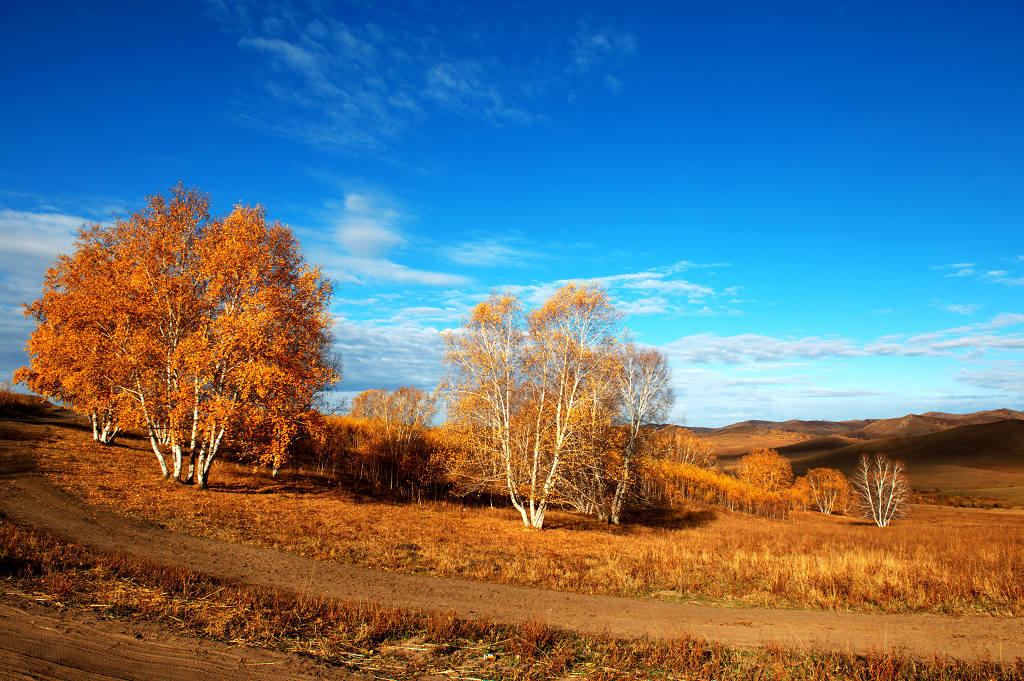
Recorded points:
(986, 459)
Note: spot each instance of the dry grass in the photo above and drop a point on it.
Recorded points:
(398, 644)
(940, 560)
(12, 403)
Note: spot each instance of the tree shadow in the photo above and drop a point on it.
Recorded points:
(672, 519)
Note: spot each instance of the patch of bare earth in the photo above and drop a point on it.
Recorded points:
(44, 642)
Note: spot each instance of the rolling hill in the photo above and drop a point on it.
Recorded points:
(979, 454)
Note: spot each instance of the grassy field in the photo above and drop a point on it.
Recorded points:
(396, 644)
(940, 560)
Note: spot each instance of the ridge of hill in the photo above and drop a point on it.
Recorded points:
(864, 429)
(984, 459)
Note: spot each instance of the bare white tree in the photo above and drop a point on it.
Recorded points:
(883, 488)
(643, 379)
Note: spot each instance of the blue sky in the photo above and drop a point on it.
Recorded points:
(814, 207)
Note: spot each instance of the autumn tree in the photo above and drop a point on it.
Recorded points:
(683, 445)
(208, 328)
(76, 335)
(828, 488)
(799, 494)
(642, 380)
(882, 486)
(484, 391)
(518, 387)
(765, 469)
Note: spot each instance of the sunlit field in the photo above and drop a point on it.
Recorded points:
(395, 643)
(940, 559)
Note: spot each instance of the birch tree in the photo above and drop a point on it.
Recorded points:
(642, 380)
(206, 330)
(882, 486)
(827, 487)
(485, 360)
(77, 335)
(517, 388)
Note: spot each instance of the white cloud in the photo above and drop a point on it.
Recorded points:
(491, 252)
(969, 269)
(964, 308)
(31, 242)
(385, 270)
(368, 226)
(1008, 377)
(1002, 277)
(388, 355)
(644, 306)
(970, 341)
(960, 269)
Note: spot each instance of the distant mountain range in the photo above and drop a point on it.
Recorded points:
(979, 454)
(868, 429)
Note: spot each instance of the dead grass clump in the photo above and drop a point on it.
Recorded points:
(941, 559)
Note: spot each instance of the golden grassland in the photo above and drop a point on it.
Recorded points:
(944, 560)
(398, 644)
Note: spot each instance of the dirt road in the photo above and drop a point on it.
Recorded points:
(42, 643)
(27, 498)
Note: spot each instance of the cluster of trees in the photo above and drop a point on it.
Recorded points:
(200, 330)
(879, 489)
(554, 404)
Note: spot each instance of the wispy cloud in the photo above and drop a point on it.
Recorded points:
(381, 269)
(358, 85)
(986, 276)
(656, 290)
(971, 341)
(597, 48)
(962, 308)
(1002, 277)
(367, 227)
(960, 269)
(388, 355)
(1004, 376)
(492, 252)
(31, 242)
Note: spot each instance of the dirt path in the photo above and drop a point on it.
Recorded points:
(43, 643)
(27, 498)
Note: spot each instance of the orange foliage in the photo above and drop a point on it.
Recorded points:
(765, 469)
(829, 489)
(197, 329)
(673, 482)
(683, 446)
(521, 389)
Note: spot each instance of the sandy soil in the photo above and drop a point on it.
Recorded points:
(27, 498)
(40, 642)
